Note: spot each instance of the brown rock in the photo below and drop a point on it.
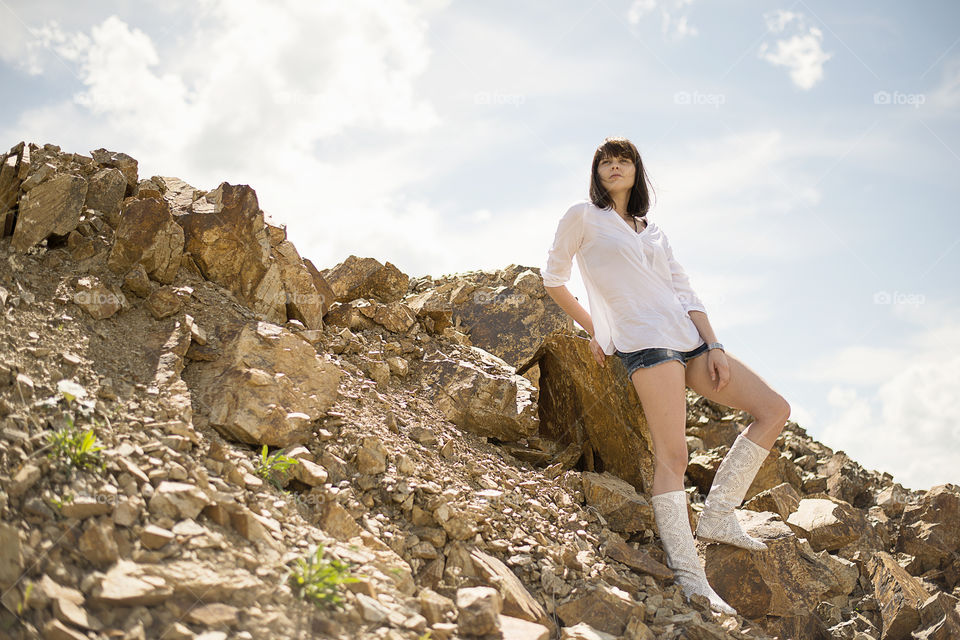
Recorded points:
(590, 406)
(23, 480)
(303, 301)
(482, 394)
(604, 608)
(782, 499)
(787, 580)
(154, 537)
(616, 549)
(86, 507)
(137, 281)
(320, 283)
(177, 500)
(479, 611)
(899, 595)
(51, 208)
(215, 614)
(436, 608)
(121, 161)
(147, 235)
(126, 585)
(227, 238)
(105, 192)
(56, 630)
(930, 531)
(97, 544)
(366, 278)
(337, 521)
(98, 300)
(505, 312)
(520, 629)
(517, 601)
(9, 188)
(163, 302)
(827, 523)
(11, 559)
(267, 387)
(618, 502)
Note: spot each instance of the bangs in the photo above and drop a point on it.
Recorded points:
(615, 148)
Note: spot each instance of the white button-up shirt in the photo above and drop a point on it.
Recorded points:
(638, 293)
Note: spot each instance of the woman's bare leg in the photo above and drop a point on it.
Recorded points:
(662, 393)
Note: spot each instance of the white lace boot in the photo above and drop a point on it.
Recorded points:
(673, 522)
(718, 523)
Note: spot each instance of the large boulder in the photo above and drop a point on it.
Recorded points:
(267, 388)
(105, 192)
(505, 312)
(828, 523)
(147, 235)
(366, 278)
(618, 502)
(899, 596)
(930, 532)
(123, 162)
(788, 580)
(51, 208)
(594, 408)
(481, 393)
(303, 300)
(225, 233)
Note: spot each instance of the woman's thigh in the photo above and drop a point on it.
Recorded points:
(662, 393)
(744, 390)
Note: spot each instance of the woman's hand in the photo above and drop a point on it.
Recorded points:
(598, 353)
(718, 367)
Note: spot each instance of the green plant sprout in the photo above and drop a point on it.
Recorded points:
(317, 579)
(271, 467)
(80, 449)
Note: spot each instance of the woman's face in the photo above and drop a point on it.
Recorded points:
(616, 174)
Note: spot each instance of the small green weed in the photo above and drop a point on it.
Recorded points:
(79, 448)
(317, 579)
(271, 467)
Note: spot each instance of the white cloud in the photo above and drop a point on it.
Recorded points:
(945, 97)
(802, 52)
(907, 426)
(673, 16)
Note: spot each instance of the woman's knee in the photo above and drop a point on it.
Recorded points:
(777, 412)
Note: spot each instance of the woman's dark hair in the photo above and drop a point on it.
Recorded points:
(614, 147)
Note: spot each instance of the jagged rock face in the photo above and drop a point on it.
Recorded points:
(267, 387)
(899, 595)
(51, 208)
(366, 278)
(930, 532)
(226, 236)
(149, 236)
(505, 312)
(788, 580)
(482, 394)
(594, 408)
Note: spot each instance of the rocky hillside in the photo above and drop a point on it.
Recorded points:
(205, 435)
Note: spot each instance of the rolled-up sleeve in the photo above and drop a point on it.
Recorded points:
(566, 242)
(681, 283)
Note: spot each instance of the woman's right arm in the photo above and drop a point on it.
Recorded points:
(566, 242)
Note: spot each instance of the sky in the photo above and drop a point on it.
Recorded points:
(803, 156)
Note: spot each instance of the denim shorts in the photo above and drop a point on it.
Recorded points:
(649, 357)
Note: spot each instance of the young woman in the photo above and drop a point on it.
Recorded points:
(643, 309)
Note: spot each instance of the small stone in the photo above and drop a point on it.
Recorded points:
(154, 537)
(163, 302)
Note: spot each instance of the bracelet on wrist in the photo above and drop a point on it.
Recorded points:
(716, 345)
